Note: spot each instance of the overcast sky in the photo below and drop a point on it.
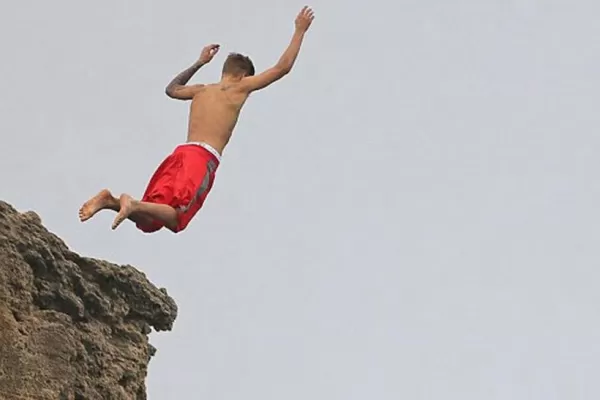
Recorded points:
(411, 214)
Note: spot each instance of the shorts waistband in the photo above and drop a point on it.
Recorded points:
(207, 146)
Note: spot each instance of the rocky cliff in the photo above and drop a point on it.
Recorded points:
(71, 327)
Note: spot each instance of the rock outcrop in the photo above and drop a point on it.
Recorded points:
(71, 327)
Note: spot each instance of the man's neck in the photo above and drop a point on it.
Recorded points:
(229, 79)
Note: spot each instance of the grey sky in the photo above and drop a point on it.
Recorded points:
(411, 214)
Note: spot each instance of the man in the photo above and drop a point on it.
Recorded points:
(180, 185)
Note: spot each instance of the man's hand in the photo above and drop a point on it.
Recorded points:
(304, 19)
(208, 53)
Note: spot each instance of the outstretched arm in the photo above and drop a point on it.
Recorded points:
(177, 88)
(288, 58)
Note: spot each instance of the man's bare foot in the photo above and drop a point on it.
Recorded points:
(126, 202)
(99, 202)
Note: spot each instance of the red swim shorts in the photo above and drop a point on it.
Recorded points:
(183, 181)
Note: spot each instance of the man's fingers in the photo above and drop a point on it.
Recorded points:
(305, 16)
(212, 46)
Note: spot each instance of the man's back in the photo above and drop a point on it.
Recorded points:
(214, 112)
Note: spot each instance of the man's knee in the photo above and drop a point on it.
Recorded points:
(174, 221)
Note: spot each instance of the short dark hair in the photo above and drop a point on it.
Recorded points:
(238, 64)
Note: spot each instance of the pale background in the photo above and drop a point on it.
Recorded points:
(411, 214)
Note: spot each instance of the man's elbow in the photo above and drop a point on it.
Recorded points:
(283, 69)
(170, 92)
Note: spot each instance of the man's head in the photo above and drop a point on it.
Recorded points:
(238, 65)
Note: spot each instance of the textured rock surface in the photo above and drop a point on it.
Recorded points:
(71, 327)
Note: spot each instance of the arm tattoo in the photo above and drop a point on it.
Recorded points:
(184, 76)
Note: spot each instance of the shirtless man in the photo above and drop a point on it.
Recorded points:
(180, 185)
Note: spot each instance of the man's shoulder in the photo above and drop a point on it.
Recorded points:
(232, 88)
(220, 87)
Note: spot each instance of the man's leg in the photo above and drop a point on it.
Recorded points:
(104, 200)
(142, 211)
